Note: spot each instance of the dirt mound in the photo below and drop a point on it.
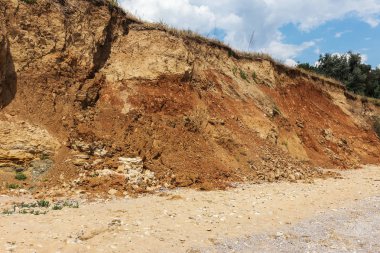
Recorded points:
(134, 107)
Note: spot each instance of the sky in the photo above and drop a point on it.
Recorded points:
(290, 30)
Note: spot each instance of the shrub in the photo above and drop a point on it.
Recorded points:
(13, 186)
(254, 75)
(20, 176)
(376, 126)
(29, 1)
(114, 3)
(243, 75)
(230, 53)
(7, 212)
(57, 207)
(43, 203)
(71, 204)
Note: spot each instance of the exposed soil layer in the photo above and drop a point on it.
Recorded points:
(132, 109)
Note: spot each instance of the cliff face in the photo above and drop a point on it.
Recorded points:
(106, 90)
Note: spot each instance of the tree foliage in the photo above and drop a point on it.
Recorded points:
(350, 70)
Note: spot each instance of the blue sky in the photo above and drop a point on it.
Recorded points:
(335, 36)
(289, 30)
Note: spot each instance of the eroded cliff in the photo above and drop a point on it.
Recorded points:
(95, 100)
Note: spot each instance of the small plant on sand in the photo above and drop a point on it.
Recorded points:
(20, 176)
(57, 207)
(71, 204)
(7, 212)
(43, 203)
(38, 212)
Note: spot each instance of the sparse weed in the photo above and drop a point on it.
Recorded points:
(13, 186)
(276, 111)
(234, 70)
(254, 75)
(23, 211)
(243, 75)
(71, 204)
(57, 207)
(7, 212)
(37, 212)
(40, 207)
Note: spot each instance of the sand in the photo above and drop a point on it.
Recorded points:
(186, 220)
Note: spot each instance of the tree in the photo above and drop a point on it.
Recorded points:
(373, 85)
(307, 66)
(350, 70)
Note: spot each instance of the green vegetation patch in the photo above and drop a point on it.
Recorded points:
(20, 176)
(243, 75)
(349, 69)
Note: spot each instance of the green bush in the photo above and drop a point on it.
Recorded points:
(20, 176)
(13, 186)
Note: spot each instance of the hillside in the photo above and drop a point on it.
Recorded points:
(93, 100)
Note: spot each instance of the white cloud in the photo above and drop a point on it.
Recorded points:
(378, 66)
(239, 18)
(364, 58)
(340, 34)
(290, 63)
(282, 50)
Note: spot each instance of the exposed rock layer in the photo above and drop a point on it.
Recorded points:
(106, 87)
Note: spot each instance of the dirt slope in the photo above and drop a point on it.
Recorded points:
(129, 106)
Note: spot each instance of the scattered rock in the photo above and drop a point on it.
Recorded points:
(79, 162)
(112, 192)
(136, 175)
